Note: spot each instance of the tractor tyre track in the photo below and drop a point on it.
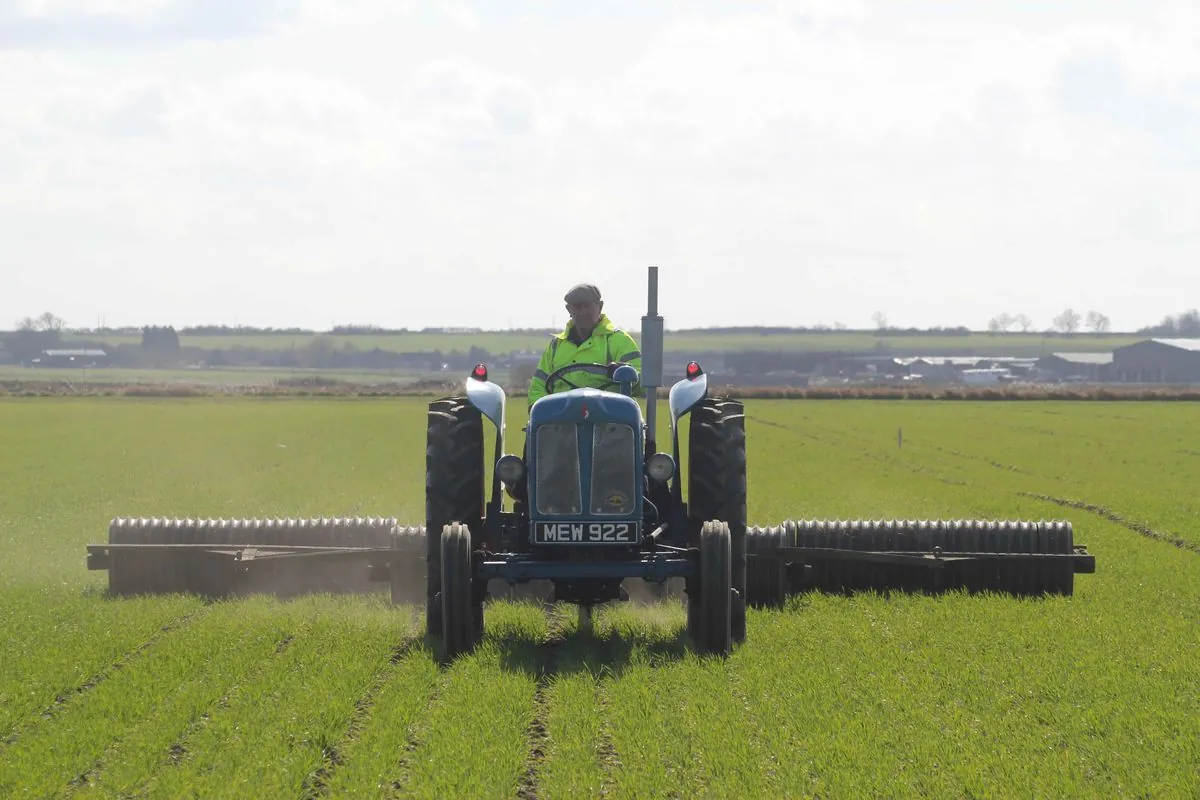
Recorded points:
(177, 753)
(1112, 516)
(317, 783)
(60, 702)
(416, 730)
(867, 453)
(610, 760)
(547, 659)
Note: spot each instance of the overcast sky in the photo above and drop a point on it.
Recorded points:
(311, 162)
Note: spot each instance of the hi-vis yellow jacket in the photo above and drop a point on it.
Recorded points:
(607, 344)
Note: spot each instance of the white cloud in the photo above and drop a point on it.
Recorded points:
(787, 163)
(461, 16)
(139, 10)
(104, 24)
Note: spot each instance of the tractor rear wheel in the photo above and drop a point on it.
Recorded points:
(713, 631)
(454, 487)
(717, 485)
(460, 613)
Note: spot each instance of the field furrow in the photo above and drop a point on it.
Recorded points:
(115, 734)
(48, 668)
(208, 670)
(272, 736)
(571, 747)
(177, 752)
(371, 761)
(1191, 544)
(537, 735)
(472, 742)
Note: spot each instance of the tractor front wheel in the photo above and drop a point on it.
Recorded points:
(460, 614)
(713, 619)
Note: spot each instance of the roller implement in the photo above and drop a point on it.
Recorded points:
(590, 503)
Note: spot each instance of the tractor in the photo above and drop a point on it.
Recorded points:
(593, 502)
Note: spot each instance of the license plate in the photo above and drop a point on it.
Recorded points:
(585, 533)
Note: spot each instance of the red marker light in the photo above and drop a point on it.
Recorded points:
(694, 371)
(479, 373)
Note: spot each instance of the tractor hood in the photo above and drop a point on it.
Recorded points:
(585, 405)
(585, 467)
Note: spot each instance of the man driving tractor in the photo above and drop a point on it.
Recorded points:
(590, 343)
(584, 355)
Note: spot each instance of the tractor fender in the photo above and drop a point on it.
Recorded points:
(489, 398)
(685, 394)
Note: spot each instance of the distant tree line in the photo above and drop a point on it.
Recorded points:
(1068, 321)
(251, 330)
(33, 335)
(1182, 325)
(161, 346)
(836, 327)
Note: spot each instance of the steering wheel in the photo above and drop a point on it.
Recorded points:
(593, 369)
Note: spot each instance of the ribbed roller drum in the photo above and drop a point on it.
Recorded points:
(947, 537)
(407, 573)
(205, 571)
(766, 577)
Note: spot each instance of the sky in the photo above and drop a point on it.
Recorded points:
(409, 164)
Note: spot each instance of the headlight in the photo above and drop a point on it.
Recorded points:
(661, 467)
(510, 468)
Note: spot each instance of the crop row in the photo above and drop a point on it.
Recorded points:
(959, 695)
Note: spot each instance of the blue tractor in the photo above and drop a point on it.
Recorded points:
(594, 503)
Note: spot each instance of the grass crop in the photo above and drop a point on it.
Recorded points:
(58, 645)
(216, 377)
(951, 696)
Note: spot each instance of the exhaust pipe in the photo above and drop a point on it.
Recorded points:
(652, 358)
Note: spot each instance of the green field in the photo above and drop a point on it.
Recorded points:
(215, 377)
(1093, 695)
(676, 343)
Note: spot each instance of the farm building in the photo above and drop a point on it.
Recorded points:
(1016, 365)
(954, 368)
(937, 368)
(860, 365)
(72, 358)
(1082, 366)
(1158, 361)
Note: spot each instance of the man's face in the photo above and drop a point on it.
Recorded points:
(585, 315)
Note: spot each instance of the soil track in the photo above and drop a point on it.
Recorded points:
(1112, 516)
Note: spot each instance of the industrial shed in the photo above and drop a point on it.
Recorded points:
(1082, 366)
(1158, 361)
(82, 357)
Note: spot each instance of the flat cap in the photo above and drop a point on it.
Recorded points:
(582, 293)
